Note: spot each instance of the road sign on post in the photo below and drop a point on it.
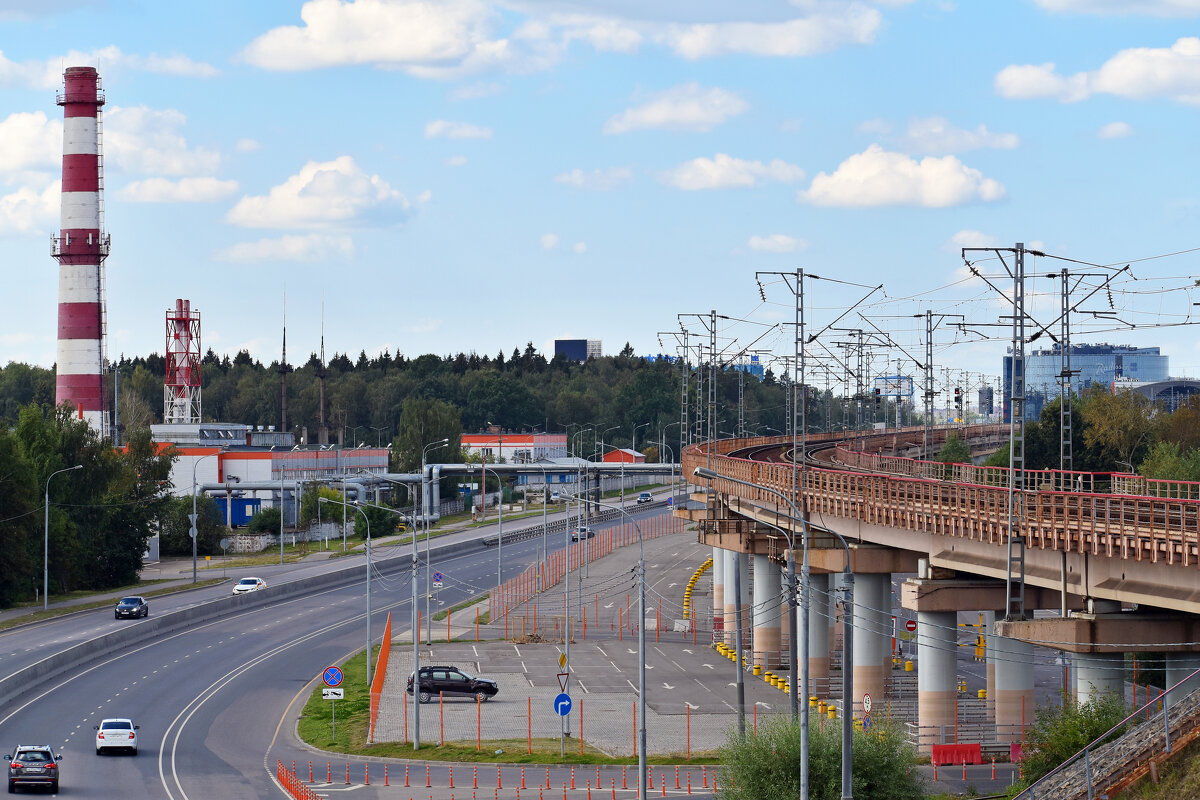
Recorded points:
(438, 579)
(563, 677)
(910, 625)
(332, 676)
(562, 660)
(562, 704)
(192, 519)
(866, 703)
(333, 694)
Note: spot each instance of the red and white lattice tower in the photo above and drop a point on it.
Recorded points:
(80, 249)
(181, 394)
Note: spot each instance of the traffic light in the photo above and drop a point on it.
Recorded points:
(958, 398)
(878, 397)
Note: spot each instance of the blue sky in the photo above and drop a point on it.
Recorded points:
(471, 176)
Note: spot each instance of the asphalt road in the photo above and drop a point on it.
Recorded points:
(210, 699)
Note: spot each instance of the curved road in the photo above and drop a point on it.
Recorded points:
(212, 700)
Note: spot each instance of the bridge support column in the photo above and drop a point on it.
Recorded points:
(937, 685)
(820, 624)
(1098, 674)
(989, 644)
(736, 561)
(1179, 666)
(766, 612)
(786, 622)
(718, 583)
(1014, 687)
(872, 637)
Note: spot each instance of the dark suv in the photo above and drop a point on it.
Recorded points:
(33, 765)
(452, 682)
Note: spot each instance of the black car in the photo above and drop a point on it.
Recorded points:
(131, 608)
(33, 765)
(452, 682)
(581, 534)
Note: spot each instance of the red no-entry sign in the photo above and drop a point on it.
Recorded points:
(910, 625)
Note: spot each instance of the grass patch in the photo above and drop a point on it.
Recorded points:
(137, 588)
(460, 606)
(354, 714)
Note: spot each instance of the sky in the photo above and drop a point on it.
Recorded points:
(458, 176)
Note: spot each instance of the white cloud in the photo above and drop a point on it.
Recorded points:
(475, 91)
(822, 32)
(324, 194)
(683, 108)
(877, 177)
(1139, 73)
(600, 179)
(48, 74)
(549, 241)
(29, 140)
(247, 146)
(140, 139)
(456, 161)
(937, 136)
(1154, 8)
(726, 172)
(434, 40)
(29, 211)
(580, 248)
(312, 247)
(1115, 130)
(184, 190)
(776, 243)
(969, 238)
(444, 129)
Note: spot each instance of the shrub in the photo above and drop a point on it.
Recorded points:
(767, 766)
(1062, 731)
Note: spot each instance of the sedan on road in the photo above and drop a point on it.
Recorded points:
(249, 585)
(132, 608)
(452, 682)
(581, 534)
(645, 497)
(116, 734)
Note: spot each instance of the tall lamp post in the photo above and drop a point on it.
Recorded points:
(847, 638)
(46, 551)
(425, 523)
(193, 518)
(378, 431)
(366, 521)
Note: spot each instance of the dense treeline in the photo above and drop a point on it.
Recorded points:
(100, 516)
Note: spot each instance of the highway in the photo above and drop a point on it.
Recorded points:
(210, 699)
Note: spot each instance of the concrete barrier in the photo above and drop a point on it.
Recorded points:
(35, 678)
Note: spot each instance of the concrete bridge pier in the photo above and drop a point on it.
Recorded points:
(740, 563)
(820, 629)
(766, 612)
(1179, 666)
(872, 637)
(786, 623)
(937, 684)
(1098, 674)
(1014, 687)
(989, 649)
(718, 583)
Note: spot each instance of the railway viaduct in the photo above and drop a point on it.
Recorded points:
(1110, 563)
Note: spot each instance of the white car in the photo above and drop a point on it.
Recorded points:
(249, 585)
(116, 734)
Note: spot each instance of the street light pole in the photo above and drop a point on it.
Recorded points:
(46, 550)
(366, 521)
(425, 520)
(193, 531)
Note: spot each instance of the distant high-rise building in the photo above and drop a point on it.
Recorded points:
(752, 367)
(577, 349)
(1090, 363)
(986, 400)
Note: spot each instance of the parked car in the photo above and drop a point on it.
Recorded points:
(33, 765)
(452, 682)
(249, 585)
(582, 533)
(554, 497)
(131, 608)
(645, 497)
(116, 734)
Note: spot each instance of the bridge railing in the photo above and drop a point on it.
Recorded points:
(1113, 525)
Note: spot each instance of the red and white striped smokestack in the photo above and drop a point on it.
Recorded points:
(80, 250)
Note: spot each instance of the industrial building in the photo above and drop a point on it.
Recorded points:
(514, 448)
(1168, 395)
(577, 349)
(1101, 364)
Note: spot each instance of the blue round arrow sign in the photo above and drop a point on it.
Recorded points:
(332, 676)
(562, 704)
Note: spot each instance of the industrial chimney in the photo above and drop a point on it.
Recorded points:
(181, 392)
(80, 250)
